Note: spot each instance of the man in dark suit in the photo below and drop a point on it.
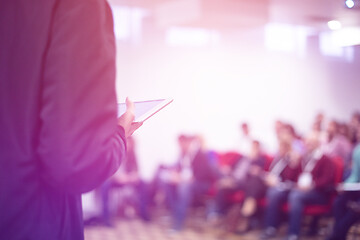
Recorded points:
(60, 135)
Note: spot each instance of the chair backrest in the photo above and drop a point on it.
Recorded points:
(268, 160)
(339, 169)
(229, 158)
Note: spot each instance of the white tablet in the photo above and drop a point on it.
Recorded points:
(145, 109)
(349, 187)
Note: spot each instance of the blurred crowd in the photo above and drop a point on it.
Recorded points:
(316, 173)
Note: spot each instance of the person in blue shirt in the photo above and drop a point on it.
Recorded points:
(347, 204)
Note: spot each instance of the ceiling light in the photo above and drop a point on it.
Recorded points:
(334, 25)
(350, 3)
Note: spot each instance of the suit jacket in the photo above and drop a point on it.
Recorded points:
(324, 174)
(288, 173)
(58, 126)
(201, 168)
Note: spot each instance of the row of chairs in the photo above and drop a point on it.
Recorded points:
(314, 210)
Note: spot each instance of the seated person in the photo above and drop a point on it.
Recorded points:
(246, 177)
(127, 179)
(354, 126)
(191, 177)
(282, 177)
(245, 140)
(338, 145)
(314, 186)
(347, 205)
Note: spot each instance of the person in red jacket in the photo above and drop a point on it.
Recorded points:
(314, 186)
(60, 135)
(282, 177)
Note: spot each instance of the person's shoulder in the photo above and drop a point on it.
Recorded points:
(357, 151)
(325, 159)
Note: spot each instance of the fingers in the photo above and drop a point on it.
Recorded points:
(134, 126)
(129, 105)
(127, 119)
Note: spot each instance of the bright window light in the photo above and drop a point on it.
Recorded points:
(287, 38)
(178, 36)
(328, 46)
(280, 37)
(347, 37)
(128, 23)
(339, 43)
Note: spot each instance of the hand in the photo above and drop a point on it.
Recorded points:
(340, 188)
(175, 177)
(121, 178)
(226, 182)
(255, 170)
(304, 188)
(354, 206)
(225, 170)
(127, 119)
(133, 177)
(271, 180)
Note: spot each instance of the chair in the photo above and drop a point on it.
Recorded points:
(318, 210)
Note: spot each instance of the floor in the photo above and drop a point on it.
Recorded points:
(159, 229)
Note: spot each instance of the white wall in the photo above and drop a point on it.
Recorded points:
(215, 88)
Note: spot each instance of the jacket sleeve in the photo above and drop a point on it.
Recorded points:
(80, 143)
(324, 173)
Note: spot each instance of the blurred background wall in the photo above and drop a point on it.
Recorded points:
(228, 61)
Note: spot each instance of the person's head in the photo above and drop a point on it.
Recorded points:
(319, 117)
(245, 129)
(200, 140)
(355, 119)
(317, 126)
(343, 129)
(287, 133)
(285, 146)
(312, 142)
(278, 125)
(255, 149)
(290, 130)
(332, 129)
(184, 143)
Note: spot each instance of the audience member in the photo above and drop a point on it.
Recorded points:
(281, 179)
(301, 174)
(338, 145)
(354, 125)
(278, 126)
(245, 140)
(318, 127)
(347, 205)
(126, 181)
(314, 186)
(318, 122)
(191, 177)
(288, 131)
(246, 177)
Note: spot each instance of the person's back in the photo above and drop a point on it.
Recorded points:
(59, 130)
